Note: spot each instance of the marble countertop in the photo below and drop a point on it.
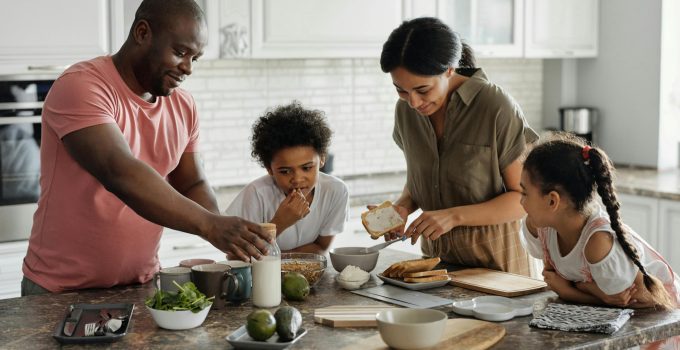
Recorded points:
(29, 322)
(663, 184)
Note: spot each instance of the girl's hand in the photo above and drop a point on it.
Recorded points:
(556, 282)
(291, 210)
(431, 225)
(623, 299)
(398, 232)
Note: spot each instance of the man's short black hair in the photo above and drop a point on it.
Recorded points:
(160, 13)
(289, 126)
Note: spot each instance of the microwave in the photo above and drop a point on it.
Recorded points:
(21, 101)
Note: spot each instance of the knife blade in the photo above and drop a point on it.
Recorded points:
(72, 320)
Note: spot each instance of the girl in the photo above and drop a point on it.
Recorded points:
(590, 256)
(308, 207)
(462, 137)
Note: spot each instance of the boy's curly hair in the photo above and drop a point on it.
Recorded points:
(289, 126)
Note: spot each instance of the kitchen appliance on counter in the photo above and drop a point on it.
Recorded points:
(21, 101)
(580, 121)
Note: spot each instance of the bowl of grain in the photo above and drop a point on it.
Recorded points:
(310, 265)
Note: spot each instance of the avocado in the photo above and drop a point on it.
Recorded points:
(294, 286)
(261, 325)
(288, 322)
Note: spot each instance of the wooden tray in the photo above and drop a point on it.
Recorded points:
(459, 334)
(349, 315)
(496, 282)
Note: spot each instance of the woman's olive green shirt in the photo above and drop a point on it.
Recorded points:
(484, 132)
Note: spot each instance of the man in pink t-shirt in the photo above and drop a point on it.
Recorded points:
(118, 162)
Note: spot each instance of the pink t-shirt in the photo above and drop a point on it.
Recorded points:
(83, 236)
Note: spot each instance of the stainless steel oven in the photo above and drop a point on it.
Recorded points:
(21, 100)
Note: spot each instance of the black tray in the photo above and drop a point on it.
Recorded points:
(91, 314)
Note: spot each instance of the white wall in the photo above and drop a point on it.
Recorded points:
(669, 99)
(357, 97)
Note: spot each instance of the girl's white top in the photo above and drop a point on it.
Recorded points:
(615, 272)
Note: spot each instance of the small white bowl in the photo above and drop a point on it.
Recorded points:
(177, 320)
(411, 328)
(351, 285)
(494, 312)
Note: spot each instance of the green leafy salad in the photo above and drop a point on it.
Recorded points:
(187, 298)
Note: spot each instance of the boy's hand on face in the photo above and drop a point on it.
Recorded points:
(291, 210)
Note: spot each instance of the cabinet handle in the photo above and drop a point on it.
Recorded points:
(189, 246)
(49, 67)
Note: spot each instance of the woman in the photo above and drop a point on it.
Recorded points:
(462, 137)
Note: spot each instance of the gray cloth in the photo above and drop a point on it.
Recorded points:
(578, 318)
(29, 287)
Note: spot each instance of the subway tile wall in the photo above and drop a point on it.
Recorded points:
(357, 98)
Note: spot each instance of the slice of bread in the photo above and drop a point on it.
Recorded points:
(426, 273)
(381, 219)
(407, 266)
(426, 279)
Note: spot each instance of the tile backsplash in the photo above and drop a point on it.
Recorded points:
(356, 96)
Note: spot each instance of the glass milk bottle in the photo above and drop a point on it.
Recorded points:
(267, 273)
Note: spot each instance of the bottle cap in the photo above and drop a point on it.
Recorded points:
(269, 227)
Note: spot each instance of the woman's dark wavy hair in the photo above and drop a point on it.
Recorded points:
(289, 126)
(425, 46)
(559, 164)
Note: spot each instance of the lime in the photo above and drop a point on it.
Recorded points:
(261, 325)
(294, 286)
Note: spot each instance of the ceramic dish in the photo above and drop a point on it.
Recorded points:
(351, 285)
(91, 314)
(241, 340)
(493, 308)
(414, 286)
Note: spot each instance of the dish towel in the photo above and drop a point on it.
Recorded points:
(577, 318)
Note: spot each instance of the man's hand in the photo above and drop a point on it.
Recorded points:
(237, 237)
(293, 208)
(431, 225)
(398, 232)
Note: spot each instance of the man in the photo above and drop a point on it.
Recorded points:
(119, 161)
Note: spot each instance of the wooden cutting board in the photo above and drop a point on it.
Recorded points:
(496, 282)
(349, 315)
(459, 334)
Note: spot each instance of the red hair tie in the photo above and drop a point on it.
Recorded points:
(585, 152)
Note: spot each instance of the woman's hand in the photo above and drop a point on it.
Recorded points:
(394, 234)
(291, 210)
(431, 225)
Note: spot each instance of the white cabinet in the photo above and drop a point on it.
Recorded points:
(642, 215)
(123, 14)
(322, 28)
(669, 229)
(560, 29)
(657, 221)
(11, 259)
(43, 33)
(494, 28)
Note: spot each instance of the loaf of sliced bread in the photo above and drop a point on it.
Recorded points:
(426, 279)
(426, 273)
(381, 219)
(417, 265)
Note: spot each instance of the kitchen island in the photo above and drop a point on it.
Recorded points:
(29, 322)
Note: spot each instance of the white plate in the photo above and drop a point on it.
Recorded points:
(493, 308)
(414, 286)
(241, 340)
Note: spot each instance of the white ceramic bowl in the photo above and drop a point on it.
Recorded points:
(351, 285)
(343, 256)
(177, 320)
(411, 328)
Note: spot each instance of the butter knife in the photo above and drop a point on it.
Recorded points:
(72, 320)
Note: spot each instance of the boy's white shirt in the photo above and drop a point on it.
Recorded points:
(329, 210)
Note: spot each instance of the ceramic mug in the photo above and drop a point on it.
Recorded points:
(163, 279)
(193, 262)
(243, 272)
(215, 280)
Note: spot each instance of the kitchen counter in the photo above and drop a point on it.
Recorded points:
(663, 184)
(29, 322)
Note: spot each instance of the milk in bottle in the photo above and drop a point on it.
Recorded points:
(267, 273)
